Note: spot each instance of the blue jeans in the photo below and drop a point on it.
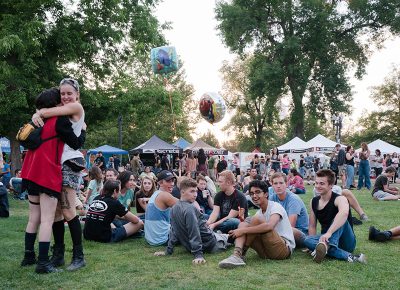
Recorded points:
(4, 206)
(341, 244)
(229, 224)
(349, 175)
(363, 173)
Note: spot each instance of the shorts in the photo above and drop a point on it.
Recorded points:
(310, 172)
(35, 189)
(271, 246)
(118, 234)
(70, 178)
(342, 169)
(380, 194)
(221, 244)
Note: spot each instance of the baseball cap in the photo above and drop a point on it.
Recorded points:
(165, 175)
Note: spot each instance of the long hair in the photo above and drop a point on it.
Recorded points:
(95, 174)
(110, 186)
(153, 186)
(124, 177)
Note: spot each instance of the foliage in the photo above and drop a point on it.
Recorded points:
(306, 47)
(384, 122)
(131, 263)
(43, 41)
(210, 139)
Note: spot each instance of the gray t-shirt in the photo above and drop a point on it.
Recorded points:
(283, 228)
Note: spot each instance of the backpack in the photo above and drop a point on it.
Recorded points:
(29, 136)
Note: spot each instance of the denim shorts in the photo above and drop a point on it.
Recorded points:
(118, 234)
(70, 177)
(380, 194)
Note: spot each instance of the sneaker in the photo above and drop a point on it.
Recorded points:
(357, 258)
(352, 187)
(231, 262)
(383, 236)
(356, 221)
(320, 252)
(372, 233)
(364, 217)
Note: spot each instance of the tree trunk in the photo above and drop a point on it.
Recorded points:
(297, 116)
(15, 153)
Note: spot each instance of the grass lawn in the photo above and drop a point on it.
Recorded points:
(131, 264)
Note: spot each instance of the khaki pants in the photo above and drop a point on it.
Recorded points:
(271, 246)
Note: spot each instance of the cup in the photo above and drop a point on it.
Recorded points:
(205, 193)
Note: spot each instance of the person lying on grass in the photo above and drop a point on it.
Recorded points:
(382, 191)
(268, 232)
(337, 238)
(189, 227)
(101, 213)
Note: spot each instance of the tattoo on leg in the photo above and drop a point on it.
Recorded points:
(64, 200)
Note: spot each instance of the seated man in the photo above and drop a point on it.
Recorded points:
(268, 232)
(337, 238)
(189, 228)
(353, 202)
(204, 198)
(158, 209)
(16, 186)
(101, 213)
(381, 190)
(293, 205)
(384, 236)
(230, 205)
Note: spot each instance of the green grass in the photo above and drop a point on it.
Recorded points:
(131, 264)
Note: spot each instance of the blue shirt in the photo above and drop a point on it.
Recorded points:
(293, 205)
(156, 227)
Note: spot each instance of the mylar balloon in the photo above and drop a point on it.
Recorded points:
(164, 59)
(212, 107)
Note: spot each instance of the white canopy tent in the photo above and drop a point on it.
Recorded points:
(296, 145)
(385, 147)
(322, 144)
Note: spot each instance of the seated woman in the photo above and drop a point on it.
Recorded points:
(147, 189)
(296, 184)
(103, 210)
(147, 172)
(95, 185)
(128, 185)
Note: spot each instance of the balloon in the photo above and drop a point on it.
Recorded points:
(164, 60)
(212, 107)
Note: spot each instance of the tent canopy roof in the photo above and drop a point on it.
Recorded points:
(156, 145)
(107, 149)
(295, 143)
(207, 148)
(181, 143)
(385, 147)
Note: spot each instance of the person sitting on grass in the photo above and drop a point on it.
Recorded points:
(102, 212)
(332, 211)
(230, 205)
(382, 190)
(268, 232)
(384, 236)
(296, 182)
(353, 202)
(204, 198)
(111, 174)
(147, 188)
(189, 227)
(293, 205)
(158, 209)
(128, 184)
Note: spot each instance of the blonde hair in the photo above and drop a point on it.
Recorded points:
(228, 175)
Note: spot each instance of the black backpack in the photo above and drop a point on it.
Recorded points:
(29, 136)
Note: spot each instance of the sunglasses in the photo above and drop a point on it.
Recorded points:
(72, 82)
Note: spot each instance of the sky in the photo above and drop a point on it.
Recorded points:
(201, 49)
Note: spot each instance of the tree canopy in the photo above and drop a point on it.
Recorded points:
(306, 48)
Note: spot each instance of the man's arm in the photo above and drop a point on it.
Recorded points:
(258, 229)
(388, 189)
(192, 228)
(343, 206)
(312, 223)
(214, 215)
(132, 218)
(232, 214)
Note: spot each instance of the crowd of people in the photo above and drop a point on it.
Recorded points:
(201, 201)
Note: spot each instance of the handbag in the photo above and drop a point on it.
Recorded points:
(76, 164)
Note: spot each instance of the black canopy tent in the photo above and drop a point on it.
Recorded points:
(155, 145)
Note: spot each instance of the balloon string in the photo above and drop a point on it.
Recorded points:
(172, 109)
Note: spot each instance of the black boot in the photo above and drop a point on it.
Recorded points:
(57, 259)
(78, 260)
(45, 267)
(29, 259)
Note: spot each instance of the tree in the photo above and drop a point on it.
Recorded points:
(210, 139)
(307, 47)
(43, 41)
(383, 123)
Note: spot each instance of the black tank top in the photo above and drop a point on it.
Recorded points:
(350, 162)
(326, 215)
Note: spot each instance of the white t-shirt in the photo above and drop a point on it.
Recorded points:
(283, 228)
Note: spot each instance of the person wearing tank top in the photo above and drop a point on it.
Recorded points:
(69, 90)
(332, 211)
(349, 161)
